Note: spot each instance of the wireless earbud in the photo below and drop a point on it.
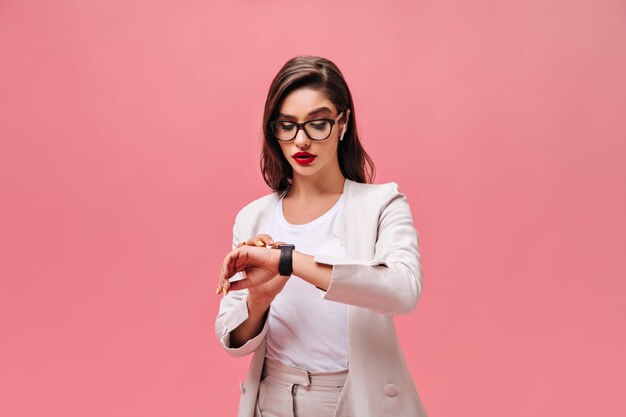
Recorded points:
(345, 127)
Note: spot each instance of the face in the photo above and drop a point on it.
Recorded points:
(306, 104)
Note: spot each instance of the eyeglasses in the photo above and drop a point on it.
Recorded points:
(318, 129)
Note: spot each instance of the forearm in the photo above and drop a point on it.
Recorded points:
(257, 312)
(368, 284)
(314, 273)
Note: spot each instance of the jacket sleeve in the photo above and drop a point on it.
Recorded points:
(391, 283)
(233, 311)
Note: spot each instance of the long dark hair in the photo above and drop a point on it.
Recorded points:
(322, 75)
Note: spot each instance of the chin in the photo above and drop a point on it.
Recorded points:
(305, 172)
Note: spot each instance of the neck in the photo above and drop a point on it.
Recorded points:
(308, 188)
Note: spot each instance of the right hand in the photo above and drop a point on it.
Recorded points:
(267, 291)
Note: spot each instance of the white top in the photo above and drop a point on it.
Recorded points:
(304, 329)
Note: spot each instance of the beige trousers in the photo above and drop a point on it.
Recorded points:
(285, 391)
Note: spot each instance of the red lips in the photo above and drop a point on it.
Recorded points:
(304, 158)
(303, 154)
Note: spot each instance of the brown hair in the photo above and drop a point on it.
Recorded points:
(322, 75)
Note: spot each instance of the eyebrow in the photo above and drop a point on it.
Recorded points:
(316, 111)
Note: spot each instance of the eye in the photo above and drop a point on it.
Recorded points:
(319, 125)
(285, 126)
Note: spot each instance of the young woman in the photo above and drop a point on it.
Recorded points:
(319, 266)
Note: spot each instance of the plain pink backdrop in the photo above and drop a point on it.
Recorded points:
(129, 139)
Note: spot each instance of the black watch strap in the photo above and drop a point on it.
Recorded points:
(285, 265)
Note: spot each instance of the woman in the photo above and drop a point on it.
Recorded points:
(320, 266)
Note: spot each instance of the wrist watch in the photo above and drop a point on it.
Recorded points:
(285, 265)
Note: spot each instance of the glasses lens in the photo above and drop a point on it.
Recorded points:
(318, 129)
(284, 130)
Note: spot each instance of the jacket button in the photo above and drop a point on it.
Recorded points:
(391, 390)
(242, 387)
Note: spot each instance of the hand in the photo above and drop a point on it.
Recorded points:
(259, 266)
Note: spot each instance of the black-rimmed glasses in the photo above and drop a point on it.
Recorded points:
(318, 129)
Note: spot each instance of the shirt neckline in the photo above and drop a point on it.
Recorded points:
(312, 223)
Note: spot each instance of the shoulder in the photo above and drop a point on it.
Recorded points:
(258, 205)
(373, 192)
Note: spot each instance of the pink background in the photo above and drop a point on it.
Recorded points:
(129, 140)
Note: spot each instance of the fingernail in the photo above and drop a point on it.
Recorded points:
(260, 243)
(224, 291)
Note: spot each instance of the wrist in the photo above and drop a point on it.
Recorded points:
(285, 263)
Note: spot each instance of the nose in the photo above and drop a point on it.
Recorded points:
(302, 140)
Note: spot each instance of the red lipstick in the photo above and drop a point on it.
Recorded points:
(304, 158)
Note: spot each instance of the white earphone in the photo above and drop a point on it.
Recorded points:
(345, 127)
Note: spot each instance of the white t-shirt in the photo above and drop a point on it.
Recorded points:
(305, 330)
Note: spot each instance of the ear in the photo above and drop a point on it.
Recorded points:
(345, 123)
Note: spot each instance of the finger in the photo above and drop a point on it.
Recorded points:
(230, 267)
(220, 284)
(240, 244)
(275, 245)
(222, 287)
(265, 238)
(233, 286)
(230, 259)
(225, 270)
(228, 285)
(261, 240)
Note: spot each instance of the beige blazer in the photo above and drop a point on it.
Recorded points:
(380, 277)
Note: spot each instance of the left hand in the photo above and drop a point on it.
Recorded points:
(260, 265)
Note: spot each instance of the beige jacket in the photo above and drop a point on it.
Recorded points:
(380, 277)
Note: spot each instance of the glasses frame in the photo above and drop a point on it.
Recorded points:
(302, 125)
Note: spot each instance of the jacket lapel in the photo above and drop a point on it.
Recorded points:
(340, 226)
